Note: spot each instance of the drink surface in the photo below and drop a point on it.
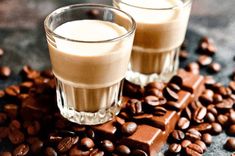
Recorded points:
(90, 65)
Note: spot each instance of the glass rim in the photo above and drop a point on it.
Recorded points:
(87, 5)
(151, 8)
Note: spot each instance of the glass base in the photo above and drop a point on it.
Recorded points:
(88, 106)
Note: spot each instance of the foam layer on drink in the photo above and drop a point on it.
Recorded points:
(161, 28)
(91, 65)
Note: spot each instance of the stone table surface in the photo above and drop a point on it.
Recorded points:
(23, 39)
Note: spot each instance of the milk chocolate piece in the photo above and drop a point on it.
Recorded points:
(151, 142)
(183, 101)
(192, 83)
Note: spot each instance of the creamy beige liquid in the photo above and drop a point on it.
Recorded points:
(159, 32)
(89, 74)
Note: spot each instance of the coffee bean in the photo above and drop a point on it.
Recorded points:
(154, 92)
(75, 151)
(21, 150)
(206, 46)
(217, 98)
(224, 91)
(209, 81)
(11, 110)
(16, 136)
(231, 117)
(3, 118)
(178, 135)
(183, 123)
(193, 134)
(203, 127)
(134, 106)
(5, 72)
(199, 114)
(90, 133)
(123, 150)
(120, 121)
(232, 86)
(96, 152)
(36, 146)
(66, 143)
(4, 132)
(33, 128)
(214, 67)
(230, 144)
(157, 85)
(177, 80)
(2, 93)
(159, 111)
(211, 108)
(1, 52)
(204, 60)
(107, 145)
(193, 67)
(5, 154)
(222, 119)
(201, 144)
(210, 117)
(139, 152)
(188, 113)
(174, 87)
(170, 95)
(129, 128)
(12, 90)
(231, 130)
(207, 138)
(15, 124)
(191, 152)
(185, 143)
(152, 101)
(175, 148)
(87, 143)
(49, 151)
(216, 128)
(196, 148)
(183, 54)
(195, 105)
(132, 90)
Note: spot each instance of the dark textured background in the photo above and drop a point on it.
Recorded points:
(22, 37)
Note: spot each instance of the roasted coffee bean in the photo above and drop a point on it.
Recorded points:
(132, 90)
(16, 136)
(195, 105)
(232, 86)
(196, 148)
(33, 128)
(201, 144)
(207, 46)
(193, 134)
(119, 121)
(49, 151)
(204, 60)
(2, 93)
(139, 152)
(11, 110)
(12, 90)
(157, 85)
(1, 52)
(4, 132)
(231, 117)
(207, 138)
(170, 94)
(15, 124)
(123, 150)
(203, 127)
(21, 150)
(154, 92)
(5, 153)
(107, 145)
(178, 135)
(96, 152)
(135, 106)
(5, 72)
(211, 108)
(159, 111)
(222, 119)
(199, 114)
(224, 91)
(217, 98)
(177, 80)
(216, 128)
(174, 87)
(183, 54)
(209, 81)
(231, 130)
(3, 117)
(66, 143)
(75, 151)
(175, 148)
(210, 117)
(230, 144)
(214, 67)
(193, 67)
(90, 133)
(183, 123)
(188, 113)
(87, 143)
(152, 101)
(185, 143)
(129, 128)
(36, 146)
(78, 128)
